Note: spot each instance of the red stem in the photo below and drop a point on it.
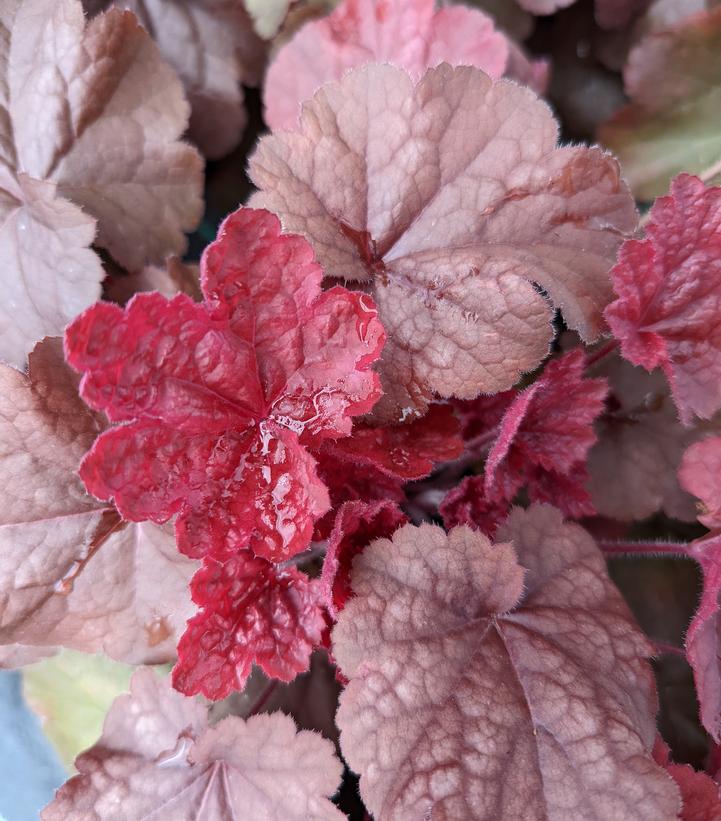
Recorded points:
(679, 550)
(602, 353)
(669, 649)
(263, 699)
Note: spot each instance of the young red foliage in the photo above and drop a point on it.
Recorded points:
(356, 524)
(669, 289)
(544, 438)
(375, 462)
(468, 504)
(222, 399)
(252, 612)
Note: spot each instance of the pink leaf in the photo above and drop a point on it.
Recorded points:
(703, 638)
(214, 49)
(668, 288)
(633, 467)
(356, 525)
(445, 225)
(699, 792)
(700, 474)
(223, 397)
(468, 504)
(545, 436)
(89, 153)
(407, 33)
(480, 689)
(71, 572)
(158, 757)
(252, 612)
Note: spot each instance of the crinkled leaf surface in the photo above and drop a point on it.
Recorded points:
(700, 474)
(212, 46)
(49, 272)
(90, 120)
(544, 438)
(468, 504)
(634, 464)
(158, 757)
(71, 572)
(497, 681)
(403, 451)
(669, 294)
(411, 34)
(252, 612)
(673, 122)
(356, 525)
(95, 110)
(222, 398)
(447, 224)
(703, 638)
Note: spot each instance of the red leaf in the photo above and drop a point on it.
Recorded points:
(468, 504)
(497, 681)
(252, 612)
(448, 224)
(403, 451)
(356, 525)
(408, 33)
(158, 757)
(223, 397)
(699, 792)
(545, 436)
(669, 287)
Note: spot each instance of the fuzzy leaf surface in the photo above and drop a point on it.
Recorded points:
(356, 525)
(497, 681)
(71, 572)
(212, 46)
(544, 438)
(700, 474)
(252, 612)
(158, 757)
(223, 397)
(447, 224)
(669, 295)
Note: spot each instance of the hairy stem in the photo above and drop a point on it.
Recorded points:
(678, 550)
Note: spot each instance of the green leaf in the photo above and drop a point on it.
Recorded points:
(71, 693)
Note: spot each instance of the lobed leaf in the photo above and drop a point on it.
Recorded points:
(668, 289)
(446, 224)
(158, 756)
(497, 681)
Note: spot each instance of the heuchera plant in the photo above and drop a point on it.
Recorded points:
(417, 448)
